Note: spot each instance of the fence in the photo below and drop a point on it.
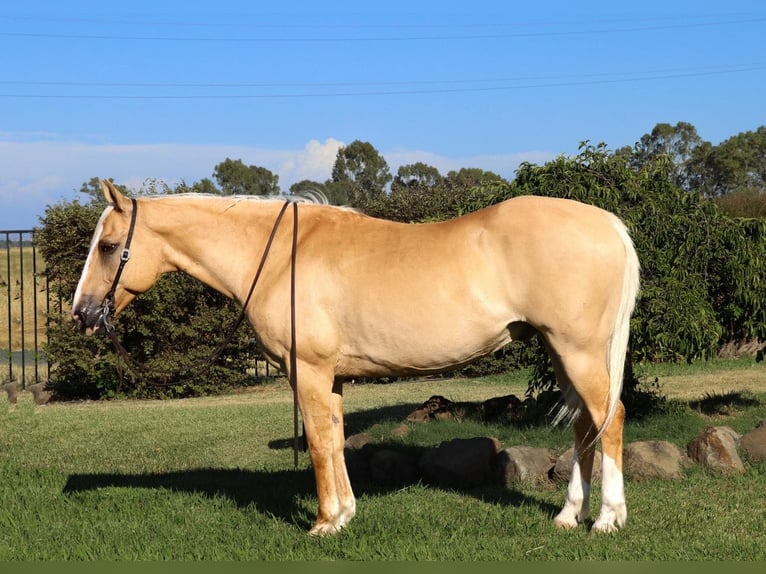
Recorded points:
(24, 309)
(26, 302)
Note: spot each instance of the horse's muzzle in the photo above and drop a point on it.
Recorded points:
(88, 317)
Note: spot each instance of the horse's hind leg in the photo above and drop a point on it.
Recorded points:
(577, 505)
(613, 510)
(588, 377)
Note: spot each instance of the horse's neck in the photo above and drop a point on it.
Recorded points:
(217, 242)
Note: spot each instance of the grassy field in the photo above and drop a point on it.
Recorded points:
(22, 270)
(213, 479)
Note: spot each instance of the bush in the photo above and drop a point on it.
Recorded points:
(170, 332)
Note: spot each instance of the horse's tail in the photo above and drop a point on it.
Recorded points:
(618, 344)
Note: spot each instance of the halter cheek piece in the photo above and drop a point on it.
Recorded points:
(107, 306)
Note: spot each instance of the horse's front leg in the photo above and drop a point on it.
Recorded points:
(321, 409)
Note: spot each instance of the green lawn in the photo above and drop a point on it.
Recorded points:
(213, 479)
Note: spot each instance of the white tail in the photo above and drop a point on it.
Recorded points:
(618, 345)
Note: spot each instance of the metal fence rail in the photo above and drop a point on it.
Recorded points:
(24, 310)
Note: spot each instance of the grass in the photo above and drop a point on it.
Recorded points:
(33, 292)
(213, 479)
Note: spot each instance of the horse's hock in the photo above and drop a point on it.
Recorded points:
(468, 463)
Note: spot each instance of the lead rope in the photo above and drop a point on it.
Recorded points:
(293, 350)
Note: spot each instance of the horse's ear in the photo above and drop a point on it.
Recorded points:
(113, 195)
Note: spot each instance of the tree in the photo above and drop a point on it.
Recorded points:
(737, 164)
(416, 176)
(676, 142)
(363, 171)
(236, 178)
(92, 188)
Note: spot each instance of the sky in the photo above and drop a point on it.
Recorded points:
(164, 90)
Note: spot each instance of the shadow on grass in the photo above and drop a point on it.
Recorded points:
(278, 493)
(724, 404)
(274, 493)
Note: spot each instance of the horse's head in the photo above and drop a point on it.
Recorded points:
(119, 266)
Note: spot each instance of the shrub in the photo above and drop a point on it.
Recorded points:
(169, 332)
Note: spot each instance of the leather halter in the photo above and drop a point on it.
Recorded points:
(107, 305)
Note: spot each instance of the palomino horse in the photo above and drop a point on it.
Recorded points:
(377, 298)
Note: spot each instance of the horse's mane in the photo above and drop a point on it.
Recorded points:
(309, 196)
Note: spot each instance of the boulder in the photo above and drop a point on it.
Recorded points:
(358, 441)
(392, 468)
(435, 407)
(753, 444)
(12, 389)
(654, 459)
(562, 470)
(525, 464)
(716, 448)
(460, 463)
(500, 408)
(40, 393)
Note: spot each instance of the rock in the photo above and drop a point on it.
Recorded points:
(562, 470)
(753, 444)
(654, 459)
(401, 431)
(40, 395)
(12, 389)
(525, 464)
(716, 449)
(357, 466)
(435, 407)
(460, 463)
(359, 440)
(392, 468)
(499, 407)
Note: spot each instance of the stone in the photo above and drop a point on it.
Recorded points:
(753, 444)
(392, 468)
(460, 463)
(716, 449)
(436, 406)
(358, 441)
(12, 389)
(654, 459)
(562, 470)
(525, 464)
(40, 394)
(498, 408)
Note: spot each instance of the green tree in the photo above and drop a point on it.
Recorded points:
(677, 143)
(363, 171)
(236, 178)
(737, 164)
(416, 176)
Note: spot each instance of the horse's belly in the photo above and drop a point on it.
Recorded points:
(420, 353)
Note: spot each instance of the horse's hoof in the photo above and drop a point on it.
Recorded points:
(324, 529)
(565, 525)
(604, 528)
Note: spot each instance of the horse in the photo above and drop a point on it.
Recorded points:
(344, 295)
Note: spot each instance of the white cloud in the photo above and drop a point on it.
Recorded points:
(38, 172)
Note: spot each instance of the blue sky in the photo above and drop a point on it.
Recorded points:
(167, 89)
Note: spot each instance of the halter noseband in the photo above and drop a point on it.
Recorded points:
(107, 306)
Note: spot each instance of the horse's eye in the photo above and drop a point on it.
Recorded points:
(107, 248)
